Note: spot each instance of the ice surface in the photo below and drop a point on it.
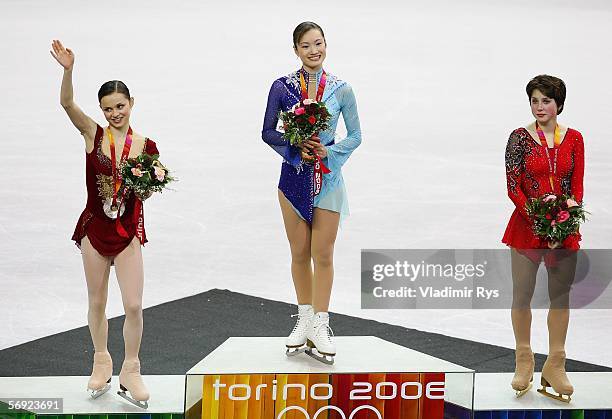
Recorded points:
(439, 85)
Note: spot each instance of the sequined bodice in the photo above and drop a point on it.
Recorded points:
(528, 168)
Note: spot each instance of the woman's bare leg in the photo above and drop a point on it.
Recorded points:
(324, 232)
(298, 234)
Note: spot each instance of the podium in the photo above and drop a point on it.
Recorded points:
(494, 399)
(167, 398)
(252, 378)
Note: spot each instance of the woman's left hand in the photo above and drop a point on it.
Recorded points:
(315, 145)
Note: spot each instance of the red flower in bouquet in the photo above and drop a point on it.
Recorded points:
(563, 216)
(312, 120)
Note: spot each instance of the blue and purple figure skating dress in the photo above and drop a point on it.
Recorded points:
(297, 176)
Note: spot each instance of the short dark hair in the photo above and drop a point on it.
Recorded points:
(113, 86)
(551, 86)
(302, 28)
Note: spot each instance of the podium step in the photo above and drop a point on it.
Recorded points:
(355, 354)
(371, 378)
(592, 393)
(167, 396)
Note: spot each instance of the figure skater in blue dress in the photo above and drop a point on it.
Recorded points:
(312, 201)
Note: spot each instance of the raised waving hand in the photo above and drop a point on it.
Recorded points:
(64, 56)
(85, 125)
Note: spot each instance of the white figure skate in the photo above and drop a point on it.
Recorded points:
(296, 341)
(319, 342)
(99, 382)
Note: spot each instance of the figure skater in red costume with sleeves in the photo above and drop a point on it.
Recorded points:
(543, 157)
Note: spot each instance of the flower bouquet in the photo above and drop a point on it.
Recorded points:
(555, 217)
(304, 120)
(145, 175)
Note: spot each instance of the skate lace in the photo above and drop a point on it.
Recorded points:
(300, 322)
(321, 331)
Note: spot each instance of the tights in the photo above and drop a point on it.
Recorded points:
(130, 275)
(560, 278)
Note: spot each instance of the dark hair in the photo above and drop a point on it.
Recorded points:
(113, 86)
(550, 86)
(302, 28)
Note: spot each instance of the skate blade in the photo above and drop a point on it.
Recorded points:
(565, 398)
(142, 404)
(94, 394)
(560, 397)
(295, 350)
(520, 393)
(326, 359)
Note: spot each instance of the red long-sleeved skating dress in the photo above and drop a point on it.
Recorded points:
(527, 175)
(93, 222)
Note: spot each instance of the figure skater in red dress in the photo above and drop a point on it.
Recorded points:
(103, 239)
(544, 157)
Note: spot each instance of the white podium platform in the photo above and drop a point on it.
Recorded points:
(592, 391)
(355, 355)
(167, 394)
(361, 361)
(232, 373)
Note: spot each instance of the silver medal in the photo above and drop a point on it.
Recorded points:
(110, 211)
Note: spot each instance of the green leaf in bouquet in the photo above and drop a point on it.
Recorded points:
(146, 177)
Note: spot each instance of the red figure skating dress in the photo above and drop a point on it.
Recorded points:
(527, 175)
(99, 228)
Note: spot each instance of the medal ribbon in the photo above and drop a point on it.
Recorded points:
(552, 167)
(320, 89)
(319, 167)
(117, 179)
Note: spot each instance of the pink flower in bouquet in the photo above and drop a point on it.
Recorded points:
(312, 120)
(308, 101)
(571, 203)
(563, 216)
(300, 111)
(136, 172)
(552, 223)
(160, 173)
(549, 198)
